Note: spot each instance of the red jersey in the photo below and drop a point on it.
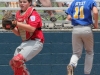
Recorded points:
(35, 21)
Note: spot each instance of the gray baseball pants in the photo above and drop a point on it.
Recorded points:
(82, 36)
(29, 48)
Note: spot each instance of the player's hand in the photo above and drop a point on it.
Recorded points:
(69, 17)
(96, 26)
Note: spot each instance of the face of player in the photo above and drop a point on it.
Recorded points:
(24, 4)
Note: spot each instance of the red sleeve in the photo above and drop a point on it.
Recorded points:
(34, 19)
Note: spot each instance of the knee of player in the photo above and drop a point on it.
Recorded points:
(78, 55)
(17, 61)
(91, 52)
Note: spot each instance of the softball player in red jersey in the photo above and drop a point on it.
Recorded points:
(80, 15)
(29, 25)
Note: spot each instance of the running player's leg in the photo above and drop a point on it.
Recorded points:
(77, 46)
(88, 43)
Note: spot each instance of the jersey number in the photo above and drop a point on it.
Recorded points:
(77, 10)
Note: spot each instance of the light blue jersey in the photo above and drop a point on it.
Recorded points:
(80, 10)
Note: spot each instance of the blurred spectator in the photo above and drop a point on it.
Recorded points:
(11, 4)
(67, 4)
(47, 3)
(59, 4)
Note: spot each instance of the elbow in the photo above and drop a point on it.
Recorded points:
(96, 12)
(17, 34)
(69, 17)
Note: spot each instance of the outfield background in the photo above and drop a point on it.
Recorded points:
(54, 57)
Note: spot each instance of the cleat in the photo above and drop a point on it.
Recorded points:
(70, 70)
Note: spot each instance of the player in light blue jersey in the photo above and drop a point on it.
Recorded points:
(80, 14)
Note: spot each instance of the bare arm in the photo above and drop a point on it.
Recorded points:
(69, 17)
(46, 3)
(26, 27)
(95, 16)
(15, 31)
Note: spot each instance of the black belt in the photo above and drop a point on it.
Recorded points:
(39, 28)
